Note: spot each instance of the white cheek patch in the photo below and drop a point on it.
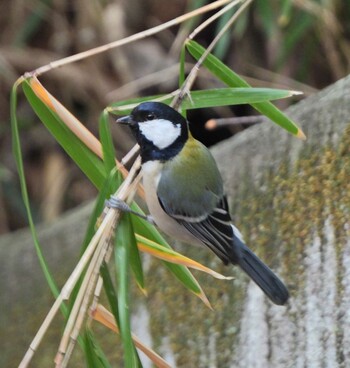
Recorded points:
(162, 133)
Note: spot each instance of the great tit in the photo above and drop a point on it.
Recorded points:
(184, 192)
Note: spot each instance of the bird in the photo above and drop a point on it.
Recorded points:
(184, 192)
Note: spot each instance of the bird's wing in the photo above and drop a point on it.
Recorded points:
(216, 232)
(197, 202)
(214, 229)
(206, 216)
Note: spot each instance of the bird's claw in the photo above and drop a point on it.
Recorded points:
(117, 203)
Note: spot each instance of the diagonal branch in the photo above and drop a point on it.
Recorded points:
(186, 87)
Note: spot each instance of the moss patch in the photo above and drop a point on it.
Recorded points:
(278, 216)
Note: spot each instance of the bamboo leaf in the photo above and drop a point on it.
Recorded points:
(113, 181)
(16, 147)
(95, 357)
(110, 185)
(166, 254)
(230, 78)
(135, 259)
(107, 143)
(136, 265)
(110, 292)
(233, 96)
(103, 316)
(215, 97)
(88, 162)
(182, 273)
(122, 259)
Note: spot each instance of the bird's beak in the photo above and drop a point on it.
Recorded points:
(124, 120)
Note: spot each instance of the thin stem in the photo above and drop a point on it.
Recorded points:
(66, 291)
(99, 285)
(224, 122)
(87, 290)
(133, 152)
(61, 358)
(80, 306)
(124, 41)
(186, 87)
(211, 19)
(146, 81)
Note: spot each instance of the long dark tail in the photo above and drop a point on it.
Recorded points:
(269, 283)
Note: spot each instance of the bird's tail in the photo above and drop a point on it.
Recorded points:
(268, 282)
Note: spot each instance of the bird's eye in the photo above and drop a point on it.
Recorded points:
(150, 116)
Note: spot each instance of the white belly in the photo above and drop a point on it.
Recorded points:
(151, 176)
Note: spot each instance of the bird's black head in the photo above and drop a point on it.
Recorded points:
(160, 130)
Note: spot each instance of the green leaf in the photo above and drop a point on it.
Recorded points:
(17, 152)
(112, 182)
(107, 143)
(136, 264)
(222, 97)
(159, 251)
(230, 78)
(123, 238)
(215, 66)
(16, 146)
(135, 258)
(88, 162)
(110, 185)
(182, 273)
(94, 355)
(232, 96)
(110, 292)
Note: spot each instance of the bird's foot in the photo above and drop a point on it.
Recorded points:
(119, 204)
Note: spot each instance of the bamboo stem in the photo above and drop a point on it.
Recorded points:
(186, 87)
(80, 306)
(138, 36)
